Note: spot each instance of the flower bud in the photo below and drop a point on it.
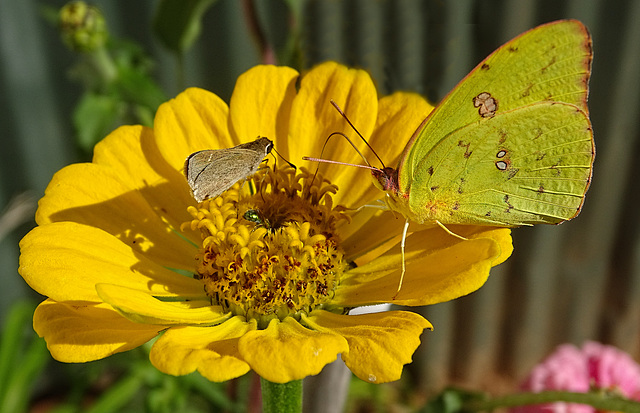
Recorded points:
(82, 26)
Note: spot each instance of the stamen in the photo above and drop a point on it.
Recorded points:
(282, 261)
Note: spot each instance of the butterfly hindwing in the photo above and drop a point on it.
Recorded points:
(526, 166)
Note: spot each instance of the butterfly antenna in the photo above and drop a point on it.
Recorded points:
(335, 105)
(283, 158)
(273, 149)
(350, 143)
(320, 159)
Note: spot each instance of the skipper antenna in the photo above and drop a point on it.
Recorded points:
(283, 158)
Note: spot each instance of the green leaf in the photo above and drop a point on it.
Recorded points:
(23, 357)
(118, 395)
(451, 400)
(177, 23)
(214, 393)
(94, 117)
(136, 86)
(600, 399)
(292, 54)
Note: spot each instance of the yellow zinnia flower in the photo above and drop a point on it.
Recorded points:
(263, 276)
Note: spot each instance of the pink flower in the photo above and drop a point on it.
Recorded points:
(595, 366)
(612, 369)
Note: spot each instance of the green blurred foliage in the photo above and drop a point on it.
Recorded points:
(178, 23)
(116, 75)
(129, 96)
(451, 400)
(22, 358)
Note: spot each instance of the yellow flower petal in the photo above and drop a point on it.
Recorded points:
(78, 331)
(133, 153)
(74, 191)
(440, 267)
(107, 195)
(261, 104)
(379, 344)
(212, 351)
(368, 229)
(65, 261)
(141, 307)
(398, 117)
(314, 119)
(501, 235)
(195, 120)
(287, 351)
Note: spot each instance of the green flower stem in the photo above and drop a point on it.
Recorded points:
(599, 400)
(281, 398)
(103, 65)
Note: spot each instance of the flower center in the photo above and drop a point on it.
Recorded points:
(269, 247)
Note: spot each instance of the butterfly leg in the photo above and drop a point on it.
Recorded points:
(441, 225)
(402, 244)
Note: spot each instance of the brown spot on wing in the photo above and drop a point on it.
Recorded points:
(538, 133)
(551, 63)
(509, 206)
(467, 152)
(487, 105)
(503, 136)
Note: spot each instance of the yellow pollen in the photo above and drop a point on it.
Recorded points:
(269, 247)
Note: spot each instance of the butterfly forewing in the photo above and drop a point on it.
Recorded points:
(549, 63)
(512, 143)
(211, 172)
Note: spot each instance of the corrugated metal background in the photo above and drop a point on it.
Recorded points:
(570, 283)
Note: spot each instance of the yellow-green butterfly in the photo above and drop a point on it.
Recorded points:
(510, 145)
